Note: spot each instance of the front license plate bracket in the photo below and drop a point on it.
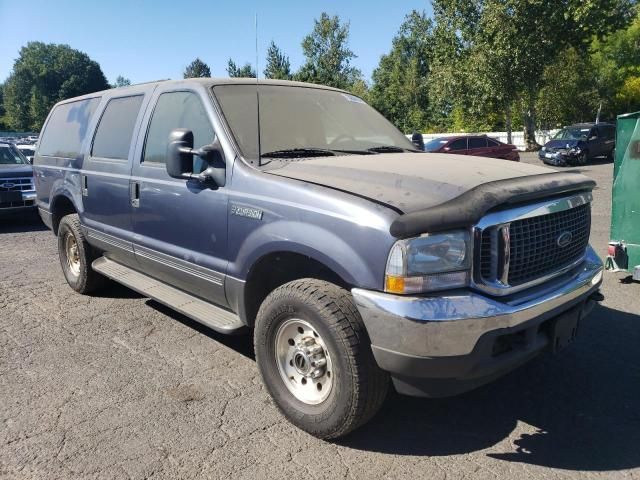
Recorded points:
(564, 329)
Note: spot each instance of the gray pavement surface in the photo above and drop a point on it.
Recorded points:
(117, 386)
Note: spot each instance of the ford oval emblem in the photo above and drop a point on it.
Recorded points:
(564, 239)
(7, 185)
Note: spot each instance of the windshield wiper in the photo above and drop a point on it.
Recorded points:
(300, 153)
(389, 149)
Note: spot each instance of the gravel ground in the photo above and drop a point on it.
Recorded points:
(117, 386)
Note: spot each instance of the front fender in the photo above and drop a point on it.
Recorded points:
(353, 265)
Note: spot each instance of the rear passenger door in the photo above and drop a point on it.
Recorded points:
(180, 225)
(106, 175)
(478, 146)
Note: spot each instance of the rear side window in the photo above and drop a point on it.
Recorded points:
(608, 132)
(177, 110)
(113, 137)
(460, 144)
(477, 142)
(67, 128)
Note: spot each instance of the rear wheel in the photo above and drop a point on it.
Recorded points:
(76, 256)
(315, 358)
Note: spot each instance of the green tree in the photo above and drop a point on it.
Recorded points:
(3, 125)
(400, 89)
(197, 69)
(523, 36)
(244, 71)
(328, 56)
(278, 65)
(121, 82)
(569, 93)
(44, 74)
(616, 62)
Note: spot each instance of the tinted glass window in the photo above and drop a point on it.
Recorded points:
(67, 129)
(477, 142)
(608, 132)
(492, 143)
(10, 156)
(177, 110)
(435, 144)
(115, 129)
(460, 144)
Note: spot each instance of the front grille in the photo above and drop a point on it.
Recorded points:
(534, 243)
(25, 203)
(21, 184)
(534, 249)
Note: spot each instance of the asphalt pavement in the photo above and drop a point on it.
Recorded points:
(118, 386)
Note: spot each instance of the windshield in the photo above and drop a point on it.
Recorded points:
(572, 133)
(11, 156)
(305, 121)
(435, 144)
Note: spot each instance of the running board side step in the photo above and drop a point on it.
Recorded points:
(203, 312)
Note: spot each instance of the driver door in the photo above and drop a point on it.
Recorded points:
(180, 226)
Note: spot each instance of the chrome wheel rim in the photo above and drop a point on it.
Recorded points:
(303, 361)
(73, 256)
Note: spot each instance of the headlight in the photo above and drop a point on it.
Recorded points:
(543, 149)
(429, 262)
(575, 150)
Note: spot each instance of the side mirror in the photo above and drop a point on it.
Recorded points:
(179, 157)
(180, 153)
(593, 137)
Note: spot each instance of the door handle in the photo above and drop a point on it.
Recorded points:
(134, 194)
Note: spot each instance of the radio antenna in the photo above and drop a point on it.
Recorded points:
(258, 92)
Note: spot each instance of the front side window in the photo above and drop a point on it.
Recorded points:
(492, 143)
(113, 137)
(67, 129)
(177, 110)
(460, 144)
(435, 144)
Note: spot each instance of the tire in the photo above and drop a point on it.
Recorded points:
(78, 272)
(356, 386)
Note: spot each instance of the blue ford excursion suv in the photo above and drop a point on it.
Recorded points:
(298, 213)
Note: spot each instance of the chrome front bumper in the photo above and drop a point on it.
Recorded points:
(451, 325)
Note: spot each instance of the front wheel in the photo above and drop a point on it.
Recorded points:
(314, 356)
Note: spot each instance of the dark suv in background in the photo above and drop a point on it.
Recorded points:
(17, 191)
(579, 143)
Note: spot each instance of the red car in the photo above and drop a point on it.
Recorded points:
(478, 145)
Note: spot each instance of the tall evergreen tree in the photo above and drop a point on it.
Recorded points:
(197, 69)
(278, 65)
(400, 82)
(121, 82)
(245, 71)
(328, 56)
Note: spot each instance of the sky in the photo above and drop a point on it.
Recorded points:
(145, 40)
